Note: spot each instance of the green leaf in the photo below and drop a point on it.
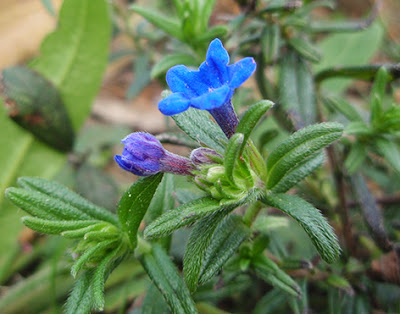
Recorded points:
(162, 66)
(232, 154)
(154, 302)
(55, 226)
(80, 233)
(170, 26)
(141, 76)
(162, 200)
(251, 117)
(196, 247)
(36, 105)
(305, 48)
(377, 96)
(226, 240)
(344, 108)
(206, 10)
(65, 195)
(296, 89)
(348, 50)
(312, 221)
(164, 275)
(357, 128)
(214, 32)
(42, 206)
(356, 157)
(197, 124)
(270, 41)
(96, 250)
(390, 151)
(298, 147)
(268, 271)
(72, 50)
(299, 172)
(80, 301)
(134, 203)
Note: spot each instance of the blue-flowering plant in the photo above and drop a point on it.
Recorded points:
(228, 170)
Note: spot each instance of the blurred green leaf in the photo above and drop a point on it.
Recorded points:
(270, 42)
(344, 108)
(141, 76)
(162, 66)
(135, 202)
(390, 151)
(154, 302)
(356, 157)
(305, 49)
(75, 60)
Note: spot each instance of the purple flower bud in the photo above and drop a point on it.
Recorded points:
(204, 155)
(143, 155)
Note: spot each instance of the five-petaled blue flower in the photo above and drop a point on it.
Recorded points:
(210, 88)
(143, 155)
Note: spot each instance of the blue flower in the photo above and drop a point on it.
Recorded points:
(209, 88)
(143, 155)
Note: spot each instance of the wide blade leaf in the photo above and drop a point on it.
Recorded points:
(312, 221)
(134, 203)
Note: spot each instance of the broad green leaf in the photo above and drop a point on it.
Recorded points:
(65, 195)
(55, 226)
(299, 172)
(268, 271)
(168, 25)
(162, 200)
(154, 302)
(224, 243)
(80, 300)
(344, 108)
(73, 58)
(134, 203)
(196, 247)
(305, 48)
(251, 117)
(197, 124)
(270, 41)
(348, 49)
(232, 154)
(312, 221)
(164, 275)
(296, 89)
(43, 206)
(36, 105)
(389, 150)
(298, 147)
(356, 157)
(167, 62)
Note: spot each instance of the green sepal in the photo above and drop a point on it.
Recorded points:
(312, 221)
(170, 26)
(268, 271)
(232, 154)
(298, 147)
(134, 203)
(55, 226)
(225, 241)
(164, 275)
(62, 193)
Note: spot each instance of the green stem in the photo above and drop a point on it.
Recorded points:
(251, 213)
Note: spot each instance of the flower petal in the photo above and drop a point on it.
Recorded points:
(181, 79)
(212, 99)
(214, 71)
(173, 104)
(240, 71)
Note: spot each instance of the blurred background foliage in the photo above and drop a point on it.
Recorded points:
(105, 66)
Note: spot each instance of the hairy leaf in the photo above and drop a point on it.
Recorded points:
(134, 203)
(232, 154)
(55, 226)
(162, 200)
(154, 302)
(312, 221)
(80, 300)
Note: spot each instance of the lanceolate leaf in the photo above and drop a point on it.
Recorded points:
(80, 300)
(162, 271)
(72, 50)
(232, 154)
(224, 243)
(55, 226)
(134, 203)
(389, 150)
(154, 302)
(356, 157)
(298, 173)
(62, 193)
(197, 124)
(198, 243)
(305, 48)
(167, 62)
(299, 147)
(271, 273)
(312, 221)
(344, 108)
